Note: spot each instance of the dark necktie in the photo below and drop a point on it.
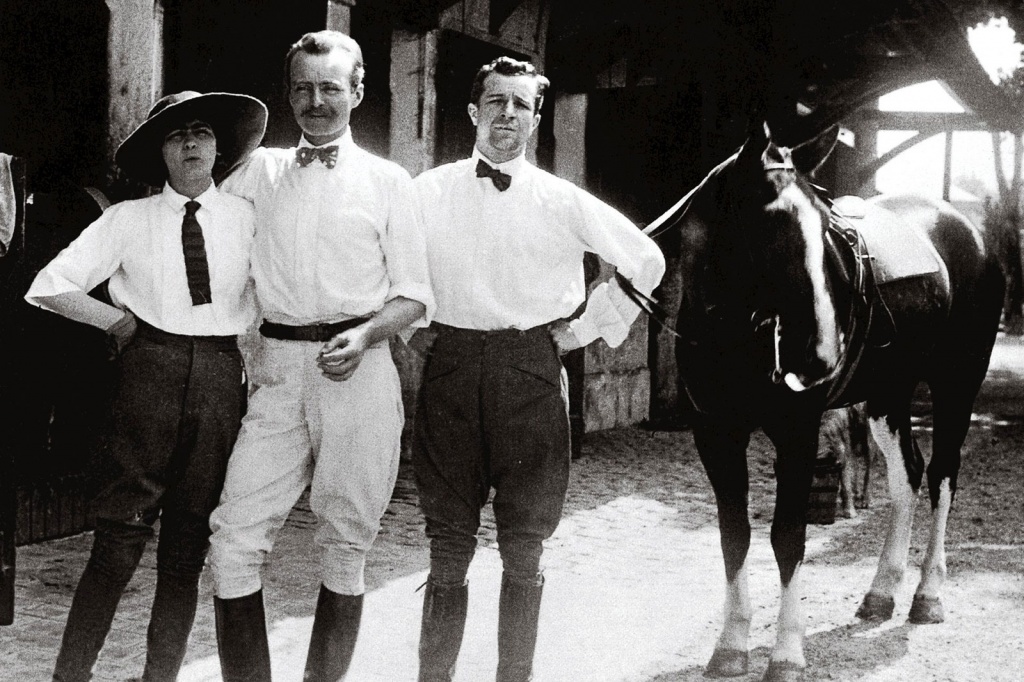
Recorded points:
(196, 268)
(306, 155)
(501, 180)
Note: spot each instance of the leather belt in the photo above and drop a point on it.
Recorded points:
(309, 332)
(157, 335)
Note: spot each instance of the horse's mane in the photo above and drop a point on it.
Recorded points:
(672, 217)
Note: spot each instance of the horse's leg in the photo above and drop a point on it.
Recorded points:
(860, 456)
(952, 401)
(796, 444)
(723, 452)
(846, 488)
(904, 467)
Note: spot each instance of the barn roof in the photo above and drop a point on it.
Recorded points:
(806, 63)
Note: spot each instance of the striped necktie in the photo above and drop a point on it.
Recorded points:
(196, 268)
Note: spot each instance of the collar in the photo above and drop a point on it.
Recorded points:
(512, 167)
(177, 201)
(344, 142)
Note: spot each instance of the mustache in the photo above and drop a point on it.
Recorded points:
(315, 110)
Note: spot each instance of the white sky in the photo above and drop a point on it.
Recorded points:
(920, 169)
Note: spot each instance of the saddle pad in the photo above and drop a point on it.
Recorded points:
(897, 249)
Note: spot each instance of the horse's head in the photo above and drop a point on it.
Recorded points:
(763, 232)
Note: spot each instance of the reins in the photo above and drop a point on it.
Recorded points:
(839, 233)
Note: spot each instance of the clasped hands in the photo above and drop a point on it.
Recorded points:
(339, 358)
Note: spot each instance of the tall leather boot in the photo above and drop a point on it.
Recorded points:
(170, 622)
(441, 629)
(518, 614)
(335, 627)
(242, 638)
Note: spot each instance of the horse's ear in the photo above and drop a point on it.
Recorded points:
(808, 155)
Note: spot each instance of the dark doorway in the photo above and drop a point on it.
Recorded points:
(53, 76)
(239, 46)
(459, 58)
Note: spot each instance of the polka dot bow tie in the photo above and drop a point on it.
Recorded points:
(328, 155)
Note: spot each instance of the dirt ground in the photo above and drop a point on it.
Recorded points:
(635, 579)
(983, 636)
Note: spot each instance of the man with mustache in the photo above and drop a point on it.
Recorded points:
(506, 241)
(340, 267)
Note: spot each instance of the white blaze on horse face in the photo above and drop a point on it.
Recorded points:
(809, 217)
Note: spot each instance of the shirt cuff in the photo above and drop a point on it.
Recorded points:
(609, 314)
(420, 293)
(584, 330)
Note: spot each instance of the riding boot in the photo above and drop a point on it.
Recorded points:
(335, 627)
(442, 626)
(518, 614)
(242, 638)
(174, 611)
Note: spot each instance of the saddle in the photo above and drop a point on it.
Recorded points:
(897, 251)
(871, 247)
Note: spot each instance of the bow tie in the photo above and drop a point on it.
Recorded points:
(501, 180)
(328, 155)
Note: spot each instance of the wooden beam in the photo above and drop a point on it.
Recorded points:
(947, 172)
(339, 15)
(570, 123)
(8, 485)
(921, 120)
(132, 58)
(413, 99)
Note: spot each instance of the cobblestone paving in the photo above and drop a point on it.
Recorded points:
(633, 593)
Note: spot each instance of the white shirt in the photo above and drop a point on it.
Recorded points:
(137, 244)
(332, 244)
(514, 259)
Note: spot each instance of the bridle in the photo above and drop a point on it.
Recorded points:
(839, 236)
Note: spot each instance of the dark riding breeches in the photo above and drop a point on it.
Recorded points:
(493, 413)
(175, 417)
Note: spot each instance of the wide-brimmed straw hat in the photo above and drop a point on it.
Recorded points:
(238, 122)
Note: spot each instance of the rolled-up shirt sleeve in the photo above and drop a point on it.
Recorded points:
(405, 250)
(93, 257)
(609, 312)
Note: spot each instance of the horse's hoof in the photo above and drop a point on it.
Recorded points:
(876, 607)
(727, 663)
(926, 610)
(783, 671)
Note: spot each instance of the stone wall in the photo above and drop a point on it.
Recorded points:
(617, 382)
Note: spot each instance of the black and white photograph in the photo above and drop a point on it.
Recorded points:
(512, 340)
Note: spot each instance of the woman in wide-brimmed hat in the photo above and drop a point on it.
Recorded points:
(178, 265)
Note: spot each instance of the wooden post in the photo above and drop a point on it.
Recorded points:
(947, 168)
(413, 99)
(134, 55)
(570, 162)
(8, 486)
(339, 15)
(570, 123)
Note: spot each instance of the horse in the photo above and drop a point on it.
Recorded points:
(785, 311)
